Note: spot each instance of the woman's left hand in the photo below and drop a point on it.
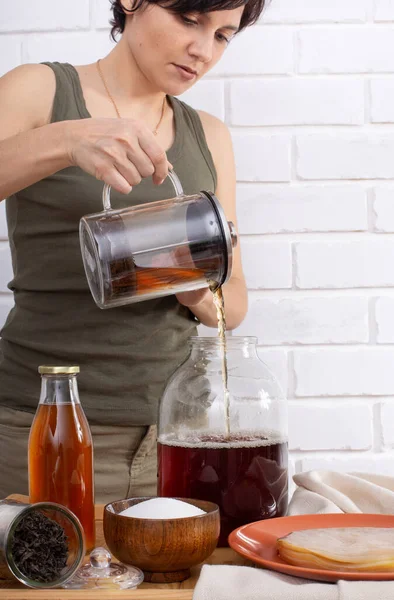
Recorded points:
(182, 258)
(193, 298)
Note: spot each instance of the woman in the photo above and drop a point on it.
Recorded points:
(64, 130)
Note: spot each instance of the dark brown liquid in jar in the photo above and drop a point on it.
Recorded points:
(245, 475)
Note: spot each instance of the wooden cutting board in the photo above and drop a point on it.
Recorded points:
(13, 590)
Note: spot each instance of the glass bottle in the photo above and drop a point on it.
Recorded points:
(61, 449)
(225, 443)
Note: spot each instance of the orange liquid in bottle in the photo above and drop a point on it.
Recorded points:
(61, 462)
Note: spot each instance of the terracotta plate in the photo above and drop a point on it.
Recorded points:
(257, 542)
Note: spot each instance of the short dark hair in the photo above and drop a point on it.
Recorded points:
(253, 9)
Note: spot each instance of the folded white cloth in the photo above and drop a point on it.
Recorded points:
(332, 492)
(317, 492)
(223, 582)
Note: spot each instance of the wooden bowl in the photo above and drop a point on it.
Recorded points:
(164, 549)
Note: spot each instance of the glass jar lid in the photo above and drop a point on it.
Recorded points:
(100, 572)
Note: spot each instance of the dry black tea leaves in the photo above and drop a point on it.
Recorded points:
(39, 547)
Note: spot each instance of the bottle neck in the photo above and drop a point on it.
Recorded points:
(243, 347)
(59, 389)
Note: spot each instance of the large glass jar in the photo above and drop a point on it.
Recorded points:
(225, 444)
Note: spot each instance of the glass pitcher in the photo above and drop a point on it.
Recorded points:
(156, 249)
(226, 447)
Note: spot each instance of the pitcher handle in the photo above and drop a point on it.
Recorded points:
(171, 175)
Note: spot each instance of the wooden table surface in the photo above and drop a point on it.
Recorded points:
(10, 589)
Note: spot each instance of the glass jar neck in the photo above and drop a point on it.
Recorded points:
(245, 347)
(59, 389)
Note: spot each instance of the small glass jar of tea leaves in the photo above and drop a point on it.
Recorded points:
(42, 544)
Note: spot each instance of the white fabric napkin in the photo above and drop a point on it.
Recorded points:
(332, 492)
(223, 582)
(317, 492)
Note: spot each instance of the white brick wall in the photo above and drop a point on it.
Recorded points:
(333, 372)
(384, 10)
(297, 101)
(382, 96)
(42, 15)
(346, 49)
(308, 94)
(315, 426)
(262, 157)
(317, 11)
(384, 209)
(345, 156)
(293, 208)
(308, 320)
(351, 264)
(272, 269)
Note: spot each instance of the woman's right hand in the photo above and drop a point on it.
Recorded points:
(119, 152)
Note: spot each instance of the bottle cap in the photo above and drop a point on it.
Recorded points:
(48, 370)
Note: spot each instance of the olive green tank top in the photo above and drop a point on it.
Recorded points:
(126, 354)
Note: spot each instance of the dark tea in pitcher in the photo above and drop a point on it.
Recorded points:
(245, 475)
(129, 279)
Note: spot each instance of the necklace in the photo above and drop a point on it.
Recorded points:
(156, 129)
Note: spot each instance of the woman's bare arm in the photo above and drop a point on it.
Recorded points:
(29, 149)
(235, 293)
(118, 151)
